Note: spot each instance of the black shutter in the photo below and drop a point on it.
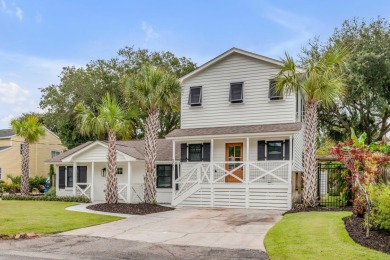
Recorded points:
(206, 152)
(287, 149)
(61, 177)
(261, 150)
(183, 154)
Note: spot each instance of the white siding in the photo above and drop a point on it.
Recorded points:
(216, 110)
(97, 153)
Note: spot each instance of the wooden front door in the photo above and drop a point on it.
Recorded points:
(234, 154)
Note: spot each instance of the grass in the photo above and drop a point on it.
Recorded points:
(45, 217)
(315, 235)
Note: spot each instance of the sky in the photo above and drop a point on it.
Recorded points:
(40, 37)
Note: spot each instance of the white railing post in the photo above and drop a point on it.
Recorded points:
(74, 178)
(212, 173)
(173, 171)
(246, 177)
(289, 202)
(92, 180)
(128, 182)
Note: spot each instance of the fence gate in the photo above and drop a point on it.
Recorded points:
(333, 187)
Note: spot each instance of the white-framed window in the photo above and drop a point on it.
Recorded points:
(273, 93)
(119, 170)
(195, 96)
(54, 153)
(236, 94)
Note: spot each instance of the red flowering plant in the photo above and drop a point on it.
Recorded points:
(365, 163)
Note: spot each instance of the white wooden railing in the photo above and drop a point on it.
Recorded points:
(84, 189)
(216, 173)
(123, 192)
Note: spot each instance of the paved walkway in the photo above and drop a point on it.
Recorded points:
(220, 228)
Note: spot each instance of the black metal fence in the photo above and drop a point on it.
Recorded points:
(334, 190)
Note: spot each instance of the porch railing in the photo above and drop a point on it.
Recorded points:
(123, 192)
(84, 189)
(244, 173)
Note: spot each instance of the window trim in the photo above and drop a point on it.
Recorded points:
(271, 97)
(282, 150)
(199, 103)
(157, 177)
(56, 153)
(231, 93)
(189, 152)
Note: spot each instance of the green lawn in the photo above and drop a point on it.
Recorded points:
(315, 235)
(44, 217)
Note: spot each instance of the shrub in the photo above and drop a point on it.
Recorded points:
(380, 215)
(51, 192)
(81, 199)
(37, 183)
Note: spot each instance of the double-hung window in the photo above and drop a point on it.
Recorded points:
(54, 153)
(236, 92)
(164, 176)
(195, 96)
(195, 152)
(274, 94)
(275, 150)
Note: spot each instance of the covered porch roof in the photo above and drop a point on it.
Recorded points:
(234, 131)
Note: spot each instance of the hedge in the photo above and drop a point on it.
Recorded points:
(81, 199)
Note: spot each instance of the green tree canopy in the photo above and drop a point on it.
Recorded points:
(366, 108)
(90, 84)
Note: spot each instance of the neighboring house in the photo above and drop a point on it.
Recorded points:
(239, 144)
(11, 159)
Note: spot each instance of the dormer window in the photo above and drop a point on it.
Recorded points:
(195, 98)
(273, 93)
(236, 92)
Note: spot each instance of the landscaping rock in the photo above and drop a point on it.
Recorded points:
(31, 235)
(17, 236)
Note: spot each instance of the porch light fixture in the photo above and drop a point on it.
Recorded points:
(104, 172)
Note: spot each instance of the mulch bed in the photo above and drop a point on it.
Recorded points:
(300, 208)
(132, 209)
(378, 240)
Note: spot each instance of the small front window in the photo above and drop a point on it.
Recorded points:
(275, 150)
(54, 153)
(21, 148)
(164, 176)
(119, 171)
(195, 152)
(236, 93)
(274, 94)
(195, 98)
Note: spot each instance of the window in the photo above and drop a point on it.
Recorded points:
(236, 92)
(69, 176)
(1, 171)
(164, 176)
(195, 98)
(273, 93)
(195, 152)
(21, 148)
(54, 153)
(119, 170)
(275, 150)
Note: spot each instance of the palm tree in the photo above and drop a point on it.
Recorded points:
(322, 83)
(110, 120)
(31, 130)
(153, 91)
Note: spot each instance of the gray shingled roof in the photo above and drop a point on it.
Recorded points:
(4, 148)
(133, 148)
(226, 130)
(6, 133)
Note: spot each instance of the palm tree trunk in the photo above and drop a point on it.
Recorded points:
(112, 181)
(24, 185)
(310, 160)
(151, 131)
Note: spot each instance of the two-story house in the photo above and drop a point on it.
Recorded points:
(47, 147)
(238, 145)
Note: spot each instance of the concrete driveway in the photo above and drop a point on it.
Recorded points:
(219, 228)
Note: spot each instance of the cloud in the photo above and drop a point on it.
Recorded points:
(6, 120)
(11, 93)
(12, 11)
(150, 33)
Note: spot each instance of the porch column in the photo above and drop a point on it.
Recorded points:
(173, 170)
(128, 182)
(246, 177)
(56, 170)
(289, 202)
(92, 177)
(212, 172)
(74, 178)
